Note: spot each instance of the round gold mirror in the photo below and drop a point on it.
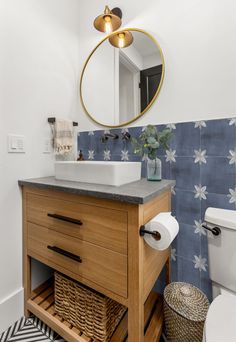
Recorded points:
(122, 77)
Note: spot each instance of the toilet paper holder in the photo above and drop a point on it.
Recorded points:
(155, 234)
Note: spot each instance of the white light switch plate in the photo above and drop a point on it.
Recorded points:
(47, 148)
(16, 143)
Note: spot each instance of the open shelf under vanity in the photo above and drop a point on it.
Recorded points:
(41, 304)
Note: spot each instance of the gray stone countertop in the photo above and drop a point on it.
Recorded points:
(138, 192)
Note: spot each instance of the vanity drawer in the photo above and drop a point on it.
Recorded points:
(101, 266)
(104, 227)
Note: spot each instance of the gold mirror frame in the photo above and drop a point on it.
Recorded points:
(158, 89)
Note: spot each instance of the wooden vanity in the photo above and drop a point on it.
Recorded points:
(91, 234)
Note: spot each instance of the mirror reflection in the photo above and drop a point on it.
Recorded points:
(120, 84)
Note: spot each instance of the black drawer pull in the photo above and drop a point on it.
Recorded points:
(65, 253)
(66, 219)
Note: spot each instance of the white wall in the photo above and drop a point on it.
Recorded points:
(199, 45)
(39, 74)
(99, 78)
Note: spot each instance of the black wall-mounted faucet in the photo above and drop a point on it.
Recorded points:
(106, 136)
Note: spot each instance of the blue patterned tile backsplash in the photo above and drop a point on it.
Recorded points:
(202, 160)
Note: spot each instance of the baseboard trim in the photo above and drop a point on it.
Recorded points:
(11, 309)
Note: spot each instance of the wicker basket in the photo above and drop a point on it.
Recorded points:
(185, 310)
(96, 315)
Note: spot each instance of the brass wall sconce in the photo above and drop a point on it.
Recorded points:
(109, 21)
(121, 39)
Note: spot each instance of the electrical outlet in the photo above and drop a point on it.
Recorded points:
(16, 143)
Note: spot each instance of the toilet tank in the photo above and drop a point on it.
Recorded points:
(222, 248)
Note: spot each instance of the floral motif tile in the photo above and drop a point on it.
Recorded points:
(202, 159)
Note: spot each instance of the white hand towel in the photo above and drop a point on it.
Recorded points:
(63, 136)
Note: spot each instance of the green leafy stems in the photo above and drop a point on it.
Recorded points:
(150, 140)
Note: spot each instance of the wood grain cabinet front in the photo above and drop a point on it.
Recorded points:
(80, 259)
(101, 226)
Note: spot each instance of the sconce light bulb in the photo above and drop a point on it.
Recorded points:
(121, 41)
(107, 18)
(108, 27)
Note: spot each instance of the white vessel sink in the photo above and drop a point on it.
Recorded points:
(99, 172)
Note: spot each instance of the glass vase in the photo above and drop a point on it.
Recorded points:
(154, 169)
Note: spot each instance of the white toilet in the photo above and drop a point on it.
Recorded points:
(220, 325)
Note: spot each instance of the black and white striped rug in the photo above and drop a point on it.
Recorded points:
(33, 330)
(30, 330)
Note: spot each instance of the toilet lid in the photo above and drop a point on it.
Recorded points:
(221, 320)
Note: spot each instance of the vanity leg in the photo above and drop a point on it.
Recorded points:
(26, 261)
(27, 283)
(135, 278)
(136, 324)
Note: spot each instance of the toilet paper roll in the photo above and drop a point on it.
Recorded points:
(167, 226)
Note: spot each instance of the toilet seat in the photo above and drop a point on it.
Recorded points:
(220, 323)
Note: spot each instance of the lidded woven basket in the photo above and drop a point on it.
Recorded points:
(185, 310)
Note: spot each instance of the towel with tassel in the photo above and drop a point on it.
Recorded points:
(63, 136)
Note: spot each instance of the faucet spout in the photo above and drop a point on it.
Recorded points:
(106, 136)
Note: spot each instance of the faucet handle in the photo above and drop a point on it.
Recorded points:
(126, 136)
